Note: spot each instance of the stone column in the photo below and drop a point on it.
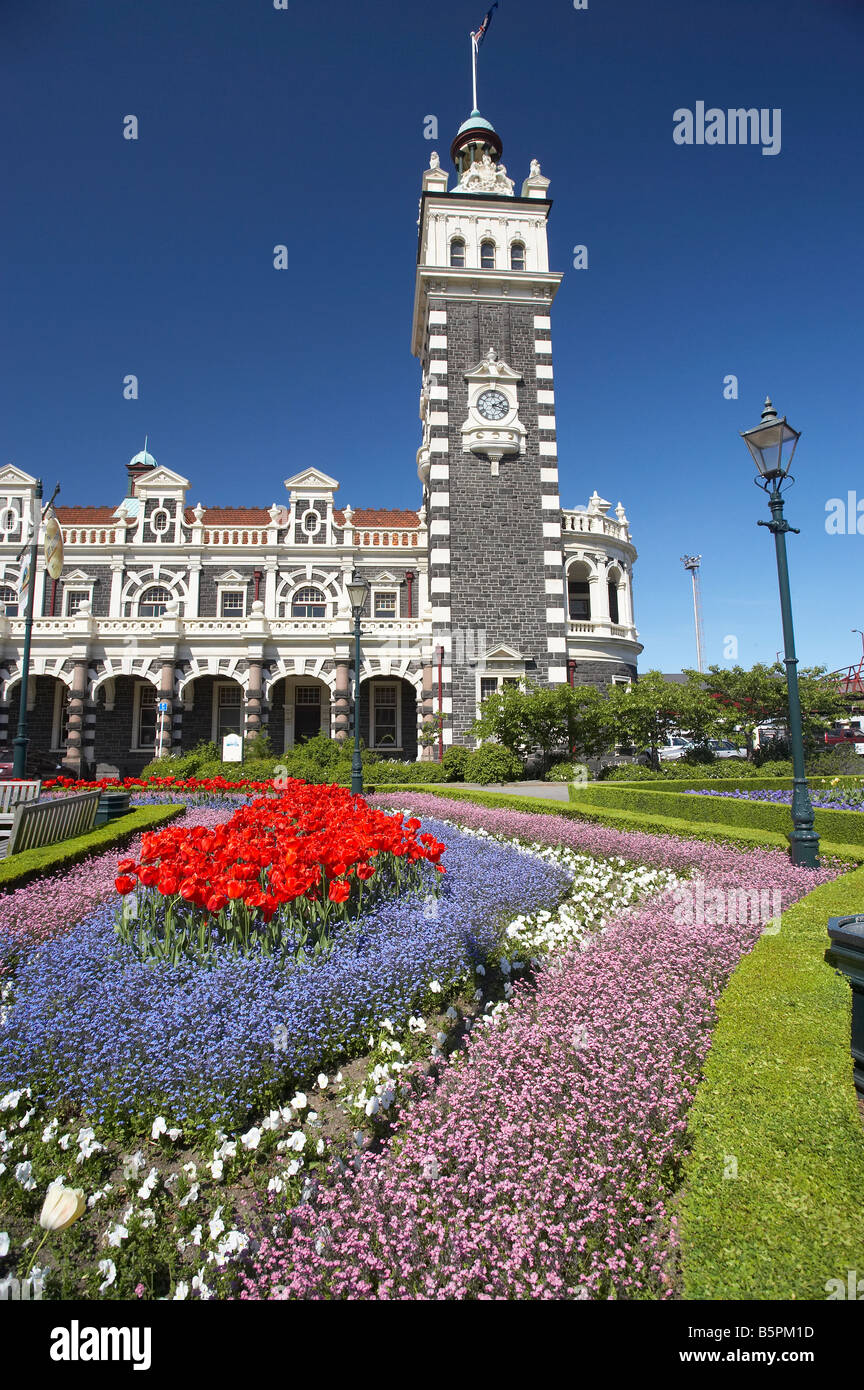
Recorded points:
(426, 709)
(597, 588)
(165, 695)
(341, 700)
(75, 728)
(253, 699)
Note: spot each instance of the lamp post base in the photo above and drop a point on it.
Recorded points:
(19, 756)
(356, 775)
(804, 848)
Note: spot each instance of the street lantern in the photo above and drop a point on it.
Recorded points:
(772, 444)
(357, 590)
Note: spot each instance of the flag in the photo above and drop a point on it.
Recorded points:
(53, 545)
(479, 35)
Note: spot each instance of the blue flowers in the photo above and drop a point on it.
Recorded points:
(94, 1029)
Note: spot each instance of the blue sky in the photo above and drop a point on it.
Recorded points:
(304, 127)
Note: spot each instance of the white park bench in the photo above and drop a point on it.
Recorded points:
(36, 824)
(11, 793)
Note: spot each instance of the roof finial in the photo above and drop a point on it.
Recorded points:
(768, 411)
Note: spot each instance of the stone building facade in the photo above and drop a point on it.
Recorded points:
(174, 624)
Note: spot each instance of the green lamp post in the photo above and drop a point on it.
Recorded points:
(22, 737)
(357, 591)
(772, 445)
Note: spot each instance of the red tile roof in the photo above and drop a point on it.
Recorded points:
(232, 516)
(379, 516)
(85, 516)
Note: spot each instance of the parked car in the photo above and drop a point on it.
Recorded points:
(674, 748)
(38, 764)
(722, 748)
(844, 734)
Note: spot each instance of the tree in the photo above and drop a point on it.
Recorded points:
(644, 714)
(760, 696)
(529, 718)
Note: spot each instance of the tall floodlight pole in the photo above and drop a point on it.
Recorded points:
(358, 590)
(692, 563)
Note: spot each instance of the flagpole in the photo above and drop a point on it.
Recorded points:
(474, 69)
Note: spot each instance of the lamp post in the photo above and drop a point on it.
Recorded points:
(357, 591)
(772, 445)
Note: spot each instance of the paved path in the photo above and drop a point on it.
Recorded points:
(551, 791)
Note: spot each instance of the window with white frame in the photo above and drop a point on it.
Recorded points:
(457, 251)
(517, 255)
(385, 603)
(228, 710)
(145, 715)
(73, 599)
(487, 255)
(385, 716)
(488, 686)
(154, 601)
(307, 695)
(8, 601)
(308, 603)
(232, 603)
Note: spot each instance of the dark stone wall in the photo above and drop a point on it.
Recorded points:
(40, 719)
(208, 588)
(497, 574)
(113, 729)
(198, 722)
(600, 673)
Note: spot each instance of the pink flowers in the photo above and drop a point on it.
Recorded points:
(544, 1163)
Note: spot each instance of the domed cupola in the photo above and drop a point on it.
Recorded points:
(474, 138)
(476, 151)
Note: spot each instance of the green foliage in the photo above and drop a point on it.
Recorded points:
(564, 771)
(529, 718)
(455, 758)
(391, 771)
(258, 748)
(777, 1096)
(33, 863)
(846, 827)
(491, 762)
(837, 761)
(733, 770)
(759, 696)
(644, 714)
(630, 772)
(183, 764)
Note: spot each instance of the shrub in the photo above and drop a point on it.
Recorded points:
(183, 764)
(454, 762)
(258, 747)
(629, 772)
(565, 771)
(697, 755)
(836, 761)
(390, 770)
(492, 763)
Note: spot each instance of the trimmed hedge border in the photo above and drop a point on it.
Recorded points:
(623, 819)
(734, 784)
(777, 1096)
(33, 863)
(839, 827)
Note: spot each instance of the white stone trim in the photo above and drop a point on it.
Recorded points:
(552, 528)
(543, 345)
(439, 556)
(438, 367)
(548, 448)
(439, 499)
(439, 446)
(437, 316)
(437, 393)
(557, 675)
(441, 615)
(439, 417)
(550, 504)
(555, 586)
(546, 422)
(439, 527)
(437, 340)
(439, 585)
(545, 397)
(544, 370)
(549, 475)
(555, 616)
(439, 472)
(552, 557)
(556, 644)
(542, 321)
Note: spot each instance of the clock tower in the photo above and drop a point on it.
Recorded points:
(489, 460)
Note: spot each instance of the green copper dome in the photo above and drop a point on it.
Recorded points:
(474, 122)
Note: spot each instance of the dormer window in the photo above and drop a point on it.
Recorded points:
(517, 256)
(457, 251)
(487, 255)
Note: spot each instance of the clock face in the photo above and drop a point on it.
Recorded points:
(493, 405)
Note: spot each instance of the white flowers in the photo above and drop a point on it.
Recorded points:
(434, 987)
(148, 1184)
(108, 1270)
(88, 1145)
(132, 1166)
(252, 1139)
(217, 1169)
(299, 1102)
(4, 1243)
(24, 1176)
(160, 1126)
(296, 1141)
(11, 1099)
(216, 1226)
(191, 1196)
(116, 1234)
(322, 1081)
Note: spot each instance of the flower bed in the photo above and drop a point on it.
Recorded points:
(832, 799)
(544, 1163)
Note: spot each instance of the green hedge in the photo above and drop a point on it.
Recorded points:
(746, 837)
(845, 827)
(777, 1097)
(743, 784)
(19, 869)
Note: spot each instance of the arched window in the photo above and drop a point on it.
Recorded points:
(308, 603)
(487, 255)
(579, 594)
(154, 601)
(517, 256)
(8, 602)
(613, 602)
(457, 251)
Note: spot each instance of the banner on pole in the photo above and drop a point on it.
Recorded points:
(53, 545)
